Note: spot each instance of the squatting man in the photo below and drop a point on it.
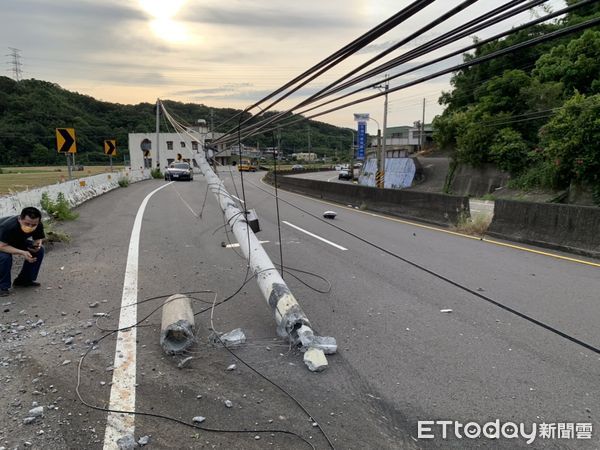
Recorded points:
(21, 235)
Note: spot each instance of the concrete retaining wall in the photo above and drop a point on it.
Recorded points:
(477, 182)
(434, 208)
(75, 191)
(564, 227)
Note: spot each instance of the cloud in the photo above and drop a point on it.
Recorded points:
(80, 9)
(232, 87)
(267, 17)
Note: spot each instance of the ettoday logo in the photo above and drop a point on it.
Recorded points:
(430, 429)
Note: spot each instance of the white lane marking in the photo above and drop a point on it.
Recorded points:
(332, 178)
(238, 198)
(236, 245)
(187, 204)
(122, 391)
(315, 236)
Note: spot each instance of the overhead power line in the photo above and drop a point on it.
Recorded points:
(540, 39)
(483, 21)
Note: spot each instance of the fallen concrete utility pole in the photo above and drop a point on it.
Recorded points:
(177, 326)
(288, 314)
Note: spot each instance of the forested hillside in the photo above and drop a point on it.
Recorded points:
(534, 113)
(30, 110)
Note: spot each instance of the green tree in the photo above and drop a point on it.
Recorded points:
(570, 141)
(509, 151)
(575, 64)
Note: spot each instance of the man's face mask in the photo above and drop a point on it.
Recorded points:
(27, 226)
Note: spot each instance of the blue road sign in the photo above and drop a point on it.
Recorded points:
(362, 140)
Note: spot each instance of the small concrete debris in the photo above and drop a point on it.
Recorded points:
(231, 367)
(101, 314)
(126, 442)
(28, 420)
(65, 362)
(234, 337)
(184, 362)
(144, 440)
(326, 343)
(68, 341)
(198, 419)
(257, 437)
(315, 360)
(329, 215)
(315, 424)
(228, 403)
(94, 305)
(447, 311)
(38, 411)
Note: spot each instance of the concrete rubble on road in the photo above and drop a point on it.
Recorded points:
(234, 337)
(183, 363)
(315, 360)
(198, 419)
(126, 442)
(144, 440)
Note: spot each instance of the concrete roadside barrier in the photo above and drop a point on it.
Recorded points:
(572, 228)
(75, 191)
(439, 209)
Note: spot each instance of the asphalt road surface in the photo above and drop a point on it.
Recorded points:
(400, 359)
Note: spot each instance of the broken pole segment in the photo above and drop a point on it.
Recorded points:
(177, 327)
(289, 316)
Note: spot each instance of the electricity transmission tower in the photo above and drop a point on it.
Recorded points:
(15, 63)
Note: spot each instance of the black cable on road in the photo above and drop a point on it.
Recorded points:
(524, 316)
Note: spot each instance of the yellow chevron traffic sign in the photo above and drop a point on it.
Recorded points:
(110, 147)
(65, 140)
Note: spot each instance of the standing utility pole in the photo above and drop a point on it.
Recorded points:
(16, 64)
(385, 87)
(422, 137)
(385, 113)
(157, 134)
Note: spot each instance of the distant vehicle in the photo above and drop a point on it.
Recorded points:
(358, 165)
(179, 171)
(345, 175)
(246, 165)
(297, 167)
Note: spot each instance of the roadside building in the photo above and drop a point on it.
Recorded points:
(172, 147)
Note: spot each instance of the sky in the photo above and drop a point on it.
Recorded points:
(223, 53)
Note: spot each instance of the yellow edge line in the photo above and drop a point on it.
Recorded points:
(441, 230)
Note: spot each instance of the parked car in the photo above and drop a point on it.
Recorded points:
(297, 167)
(345, 175)
(358, 165)
(179, 171)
